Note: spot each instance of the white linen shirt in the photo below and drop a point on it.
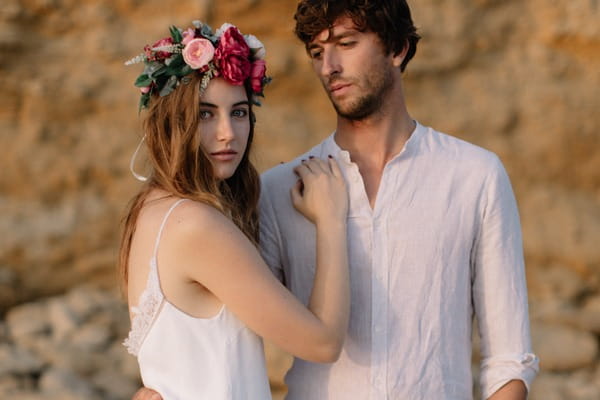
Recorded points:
(442, 243)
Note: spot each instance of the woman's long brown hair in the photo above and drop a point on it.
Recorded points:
(181, 168)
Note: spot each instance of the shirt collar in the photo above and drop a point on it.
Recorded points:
(410, 147)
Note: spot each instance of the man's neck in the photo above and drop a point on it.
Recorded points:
(373, 142)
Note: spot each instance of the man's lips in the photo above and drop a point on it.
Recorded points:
(338, 87)
(224, 155)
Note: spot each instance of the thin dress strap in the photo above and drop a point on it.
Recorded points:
(162, 226)
(151, 299)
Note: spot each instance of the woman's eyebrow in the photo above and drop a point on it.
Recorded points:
(239, 103)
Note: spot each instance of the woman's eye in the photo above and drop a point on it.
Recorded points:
(205, 114)
(240, 113)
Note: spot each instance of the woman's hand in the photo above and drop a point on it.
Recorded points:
(320, 193)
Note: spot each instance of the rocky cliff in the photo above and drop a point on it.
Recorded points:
(519, 78)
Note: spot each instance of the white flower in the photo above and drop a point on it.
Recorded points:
(256, 45)
(223, 28)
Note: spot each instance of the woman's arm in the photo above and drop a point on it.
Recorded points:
(211, 250)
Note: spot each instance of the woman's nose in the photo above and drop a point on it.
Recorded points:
(225, 130)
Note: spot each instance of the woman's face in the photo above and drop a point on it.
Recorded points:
(224, 125)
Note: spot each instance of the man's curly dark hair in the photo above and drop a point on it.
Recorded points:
(389, 19)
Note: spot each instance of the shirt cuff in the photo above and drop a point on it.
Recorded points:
(498, 370)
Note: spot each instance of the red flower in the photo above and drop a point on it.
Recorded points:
(257, 73)
(231, 57)
(158, 55)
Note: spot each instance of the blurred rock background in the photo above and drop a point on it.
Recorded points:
(520, 78)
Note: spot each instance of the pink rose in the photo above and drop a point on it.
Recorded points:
(232, 55)
(158, 55)
(145, 89)
(188, 35)
(257, 73)
(198, 52)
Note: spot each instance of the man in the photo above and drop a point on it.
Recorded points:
(433, 229)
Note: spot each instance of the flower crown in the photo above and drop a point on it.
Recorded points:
(226, 53)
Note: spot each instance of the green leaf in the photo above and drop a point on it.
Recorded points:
(175, 34)
(144, 99)
(169, 86)
(143, 81)
(154, 69)
(185, 70)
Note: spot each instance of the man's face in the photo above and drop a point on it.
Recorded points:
(353, 68)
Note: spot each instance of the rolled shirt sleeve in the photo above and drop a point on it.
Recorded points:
(500, 290)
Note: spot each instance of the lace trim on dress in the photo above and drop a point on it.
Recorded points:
(144, 314)
(151, 299)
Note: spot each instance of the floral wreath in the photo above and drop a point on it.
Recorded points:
(225, 53)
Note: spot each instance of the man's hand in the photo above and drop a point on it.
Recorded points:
(513, 390)
(146, 394)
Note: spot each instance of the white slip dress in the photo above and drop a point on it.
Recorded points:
(188, 358)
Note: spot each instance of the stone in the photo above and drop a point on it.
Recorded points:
(562, 348)
(505, 75)
(18, 361)
(115, 385)
(91, 338)
(548, 386)
(56, 381)
(27, 319)
(589, 316)
(63, 321)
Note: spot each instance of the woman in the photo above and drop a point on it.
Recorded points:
(198, 289)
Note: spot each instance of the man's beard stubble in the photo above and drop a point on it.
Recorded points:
(376, 86)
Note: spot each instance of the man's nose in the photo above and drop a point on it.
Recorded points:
(330, 63)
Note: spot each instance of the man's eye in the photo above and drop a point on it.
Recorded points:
(315, 54)
(346, 44)
(240, 113)
(205, 114)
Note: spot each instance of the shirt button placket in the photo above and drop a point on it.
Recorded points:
(379, 309)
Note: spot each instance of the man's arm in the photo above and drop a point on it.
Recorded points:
(270, 246)
(146, 394)
(500, 292)
(513, 390)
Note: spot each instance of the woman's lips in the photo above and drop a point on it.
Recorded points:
(225, 155)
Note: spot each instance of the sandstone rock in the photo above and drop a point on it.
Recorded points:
(15, 360)
(114, 385)
(124, 362)
(589, 316)
(63, 322)
(27, 319)
(503, 74)
(555, 282)
(563, 349)
(564, 226)
(64, 383)
(91, 338)
(548, 386)
(9, 385)
(3, 332)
